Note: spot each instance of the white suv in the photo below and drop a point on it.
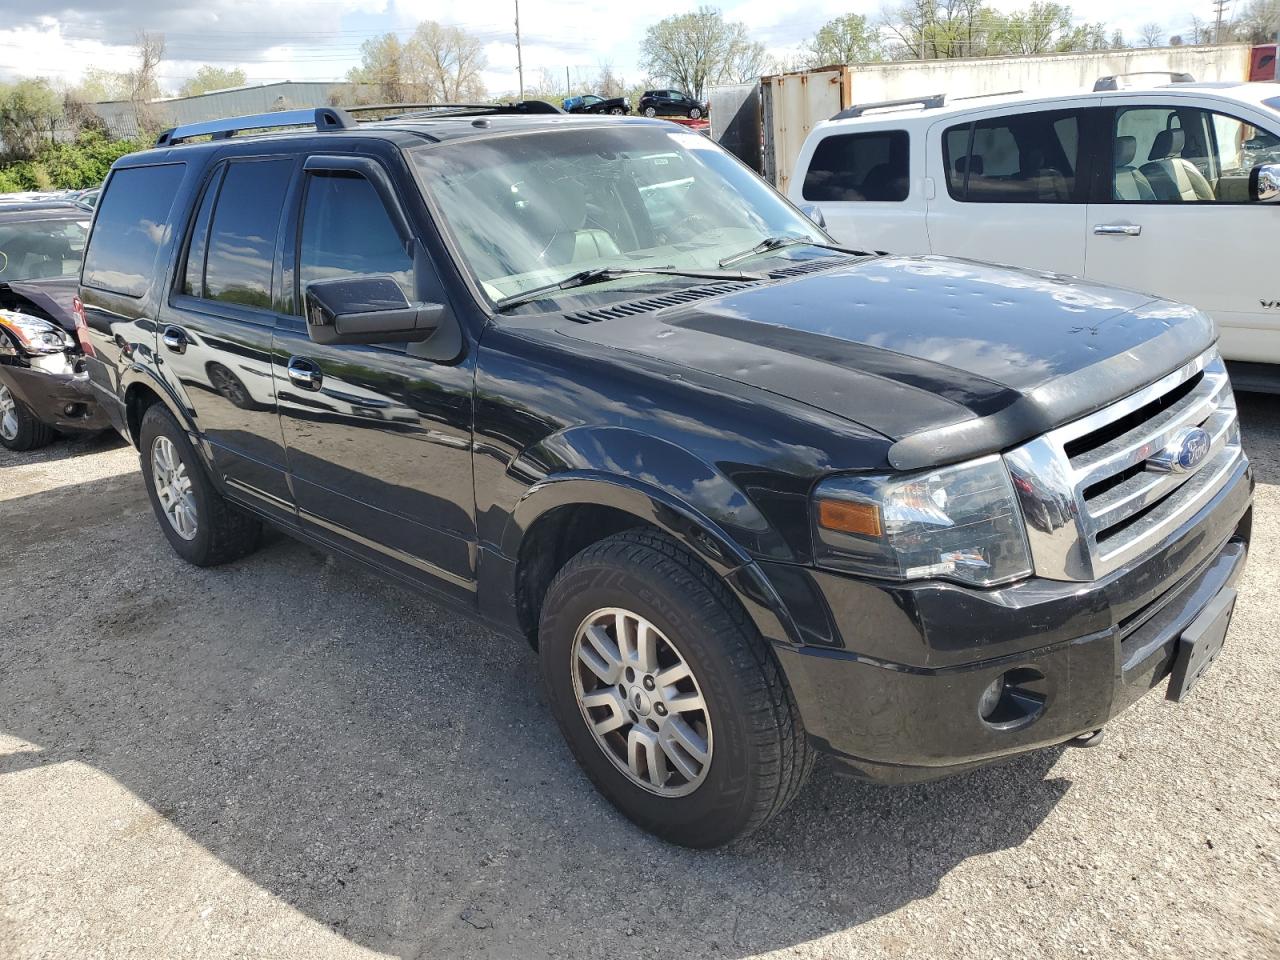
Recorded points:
(1158, 189)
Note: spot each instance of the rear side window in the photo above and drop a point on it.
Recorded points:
(860, 166)
(347, 232)
(242, 234)
(132, 224)
(1024, 158)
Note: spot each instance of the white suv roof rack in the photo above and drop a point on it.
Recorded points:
(1113, 82)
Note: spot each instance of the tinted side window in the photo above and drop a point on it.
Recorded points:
(346, 231)
(1025, 158)
(242, 241)
(132, 224)
(860, 166)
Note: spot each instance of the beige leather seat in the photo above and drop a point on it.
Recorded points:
(1130, 183)
(1172, 177)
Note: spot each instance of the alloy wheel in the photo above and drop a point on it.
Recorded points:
(641, 702)
(173, 488)
(8, 414)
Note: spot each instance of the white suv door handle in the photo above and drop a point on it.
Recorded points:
(1117, 229)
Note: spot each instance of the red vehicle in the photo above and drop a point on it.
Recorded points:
(1262, 63)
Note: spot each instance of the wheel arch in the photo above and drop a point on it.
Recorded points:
(141, 390)
(563, 515)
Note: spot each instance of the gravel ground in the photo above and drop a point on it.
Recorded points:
(287, 758)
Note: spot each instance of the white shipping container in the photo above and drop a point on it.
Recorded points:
(792, 104)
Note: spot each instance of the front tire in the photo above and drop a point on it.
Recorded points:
(695, 113)
(201, 526)
(667, 695)
(19, 428)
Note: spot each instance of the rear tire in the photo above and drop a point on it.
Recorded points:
(19, 428)
(200, 524)
(650, 112)
(749, 730)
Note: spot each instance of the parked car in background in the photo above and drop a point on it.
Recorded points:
(750, 495)
(590, 103)
(671, 103)
(1170, 189)
(43, 389)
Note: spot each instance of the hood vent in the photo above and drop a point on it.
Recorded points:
(634, 308)
(813, 266)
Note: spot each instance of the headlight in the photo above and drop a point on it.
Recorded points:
(957, 523)
(33, 334)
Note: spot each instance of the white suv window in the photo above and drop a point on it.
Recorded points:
(1022, 158)
(860, 166)
(1175, 154)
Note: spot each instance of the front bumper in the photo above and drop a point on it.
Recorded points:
(890, 676)
(60, 400)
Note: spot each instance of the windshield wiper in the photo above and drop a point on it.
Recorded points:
(584, 278)
(769, 244)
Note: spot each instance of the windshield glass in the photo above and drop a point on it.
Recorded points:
(532, 209)
(38, 249)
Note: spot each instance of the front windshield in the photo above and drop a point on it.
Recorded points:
(532, 209)
(41, 249)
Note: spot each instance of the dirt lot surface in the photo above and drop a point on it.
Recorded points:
(287, 758)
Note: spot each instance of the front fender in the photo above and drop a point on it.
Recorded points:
(668, 473)
(691, 503)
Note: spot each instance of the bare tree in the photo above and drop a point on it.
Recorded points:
(142, 84)
(447, 61)
(438, 64)
(693, 50)
(1259, 22)
(1152, 35)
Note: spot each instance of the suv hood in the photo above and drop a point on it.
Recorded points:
(949, 358)
(53, 298)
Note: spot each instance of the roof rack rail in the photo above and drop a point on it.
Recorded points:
(928, 103)
(998, 93)
(457, 109)
(1113, 82)
(323, 118)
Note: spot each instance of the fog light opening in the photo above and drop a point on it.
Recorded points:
(1014, 699)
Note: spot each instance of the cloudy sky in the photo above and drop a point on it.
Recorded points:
(320, 39)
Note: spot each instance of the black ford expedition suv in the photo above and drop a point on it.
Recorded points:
(750, 495)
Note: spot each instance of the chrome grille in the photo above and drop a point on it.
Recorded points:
(1098, 493)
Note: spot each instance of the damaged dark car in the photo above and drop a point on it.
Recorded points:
(43, 390)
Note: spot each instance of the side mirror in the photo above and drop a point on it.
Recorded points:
(1264, 183)
(369, 309)
(814, 213)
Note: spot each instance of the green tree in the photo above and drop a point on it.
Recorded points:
(384, 68)
(209, 77)
(29, 111)
(694, 50)
(847, 39)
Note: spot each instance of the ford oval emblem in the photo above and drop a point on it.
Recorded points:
(1184, 452)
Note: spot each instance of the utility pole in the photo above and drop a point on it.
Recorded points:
(1219, 6)
(519, 55)
(568, 92)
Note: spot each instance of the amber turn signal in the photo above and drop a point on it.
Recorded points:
(846, 516)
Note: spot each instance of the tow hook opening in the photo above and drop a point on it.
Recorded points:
(1013, 700)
